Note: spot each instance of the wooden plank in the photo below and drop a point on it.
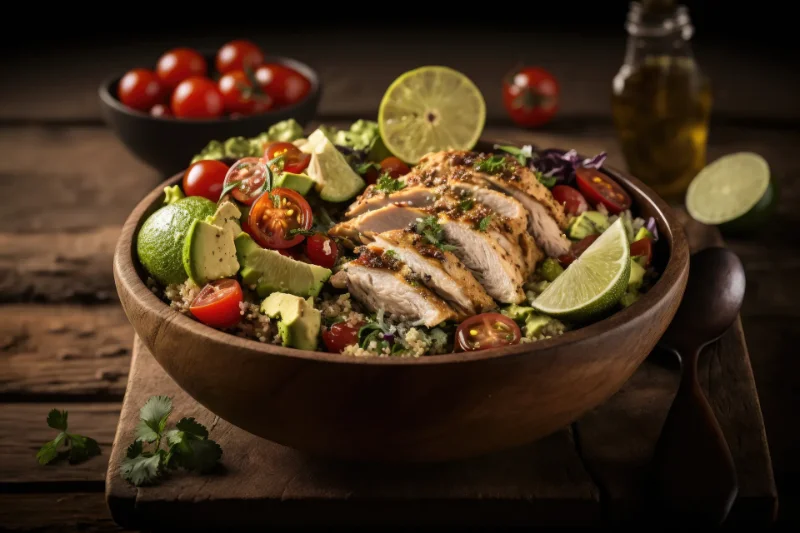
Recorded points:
(355, 80)
(65, 511)
(542, 483)
(66, 352)
(23, 430)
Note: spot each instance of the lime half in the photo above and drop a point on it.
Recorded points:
(728, 188)
(429, 109)
(594, 282)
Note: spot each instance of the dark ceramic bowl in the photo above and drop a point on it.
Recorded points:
(168, 144)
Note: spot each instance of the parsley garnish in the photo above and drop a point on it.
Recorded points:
(467, 204)
(388, 184)
(522, 154)
(492, 165)
(76, 448)
(547, 181)
(483, 225)
(429, 228)
(187, 445)
(391, 254)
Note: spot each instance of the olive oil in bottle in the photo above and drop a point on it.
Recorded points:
(661, 101)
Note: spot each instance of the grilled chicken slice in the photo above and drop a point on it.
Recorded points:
(384, 219)
(546, 219)
(439, 270)
(382, 282)
(373, 198)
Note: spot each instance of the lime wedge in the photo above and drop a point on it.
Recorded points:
(594, 282)
(429, 109)
(729, 188)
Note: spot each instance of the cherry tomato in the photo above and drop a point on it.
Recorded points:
(573, 201)
(601, 189)
(285, 85)
(217, 304)
(487, 330)
(275, 214)
(321, 250)
(394, 167)
(643, 247)
(576, 249)
(140, 89)
(179, 64)
(197, 98)
(294, 159)
(240, 54)
(339, 336)
(531, 96)
(205, 178)
(239, 96)
(250, 172)
(160, 110)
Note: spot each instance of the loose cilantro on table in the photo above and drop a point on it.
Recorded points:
(187, 445)
(76, 448)
(430, 228)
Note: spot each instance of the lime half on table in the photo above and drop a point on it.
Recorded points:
(430, 109)
(594, 282)
(734, 192)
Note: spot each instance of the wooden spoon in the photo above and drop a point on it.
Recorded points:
(693, 468)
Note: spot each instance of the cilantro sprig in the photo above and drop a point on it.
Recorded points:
(522, 154)
(547, 181)
(268, 178)
(491, 165)
(76, 448)
(430, 228)
(156, 450)
(483, 225)
(388, 184)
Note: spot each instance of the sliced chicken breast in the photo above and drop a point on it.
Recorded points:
(383, 219)
(382, 283)
(373, 198)
(439, 270)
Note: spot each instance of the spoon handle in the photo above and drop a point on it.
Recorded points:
(694, 474)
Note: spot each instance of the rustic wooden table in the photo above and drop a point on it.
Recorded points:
(68, 184)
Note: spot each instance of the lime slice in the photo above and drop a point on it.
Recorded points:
(594, 282)
(429, 109)
(729, 188)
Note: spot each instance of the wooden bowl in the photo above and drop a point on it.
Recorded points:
(168, 144)
(433, 408)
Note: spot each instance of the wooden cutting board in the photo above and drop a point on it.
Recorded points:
(590, 473)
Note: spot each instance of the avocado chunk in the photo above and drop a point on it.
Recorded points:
(270, 271)
(550, 269)
(534, 324)
(227, 217)
(173, 194)
(297, 182)
(588, 223)
(642, 234)
(299, 322)
(517, 312)
(335, 179)
(209, 253)
(637, 275)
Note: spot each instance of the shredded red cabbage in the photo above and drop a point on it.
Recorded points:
(561, 165)
(652, 228)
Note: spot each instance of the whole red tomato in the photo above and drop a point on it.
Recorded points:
(285, 85)
(240, 96)
(140, 89)
(240, 54)
(179, 64)
(197, 97)
(530, 95)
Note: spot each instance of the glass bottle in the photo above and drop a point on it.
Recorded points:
(661, 100)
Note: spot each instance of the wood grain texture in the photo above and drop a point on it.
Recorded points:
(585, 69)
(23, 430)
(542, 483)
(63, 352)
(59, 511)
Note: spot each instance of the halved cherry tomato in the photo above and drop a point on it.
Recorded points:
(217, 304)
(197, 98)
(285, 85)
(321, 250)
(601, 189)
(250, 172)
(576, 249)
(643, 247)
(573, 201)
(205, 178)
(239, 95)
(487, 330)
(294, 159)
(394, 167)
(140, 89)
(275, 214)
(339, 336)
(240, 54)
(179, 64)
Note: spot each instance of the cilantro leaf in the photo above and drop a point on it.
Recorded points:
(142, 468)
(492, 165)
(522, 154)
(483, 225)
(466, 205)
(153, 417)
(547, 181)
(430, 228)
(82, 448)
(301, 231)
(363, 168)
(193, 427)
(49, 451)
(193, 453)
(388, 184)
(57, 419)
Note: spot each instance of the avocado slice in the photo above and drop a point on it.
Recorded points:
(588, 223)
(643, 233)
(297, 182)
(209, 253)
(534, 324)
(227, 217)
(270, 271)
(299, 321)
(335, 179)
(637, 275)
(517, 312)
